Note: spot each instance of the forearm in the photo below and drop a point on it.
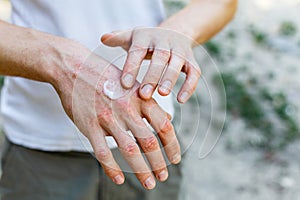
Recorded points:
(202, 19)
(35, 55)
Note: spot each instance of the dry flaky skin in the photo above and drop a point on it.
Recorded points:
(78, 77)
(79, 84)
(98, 116)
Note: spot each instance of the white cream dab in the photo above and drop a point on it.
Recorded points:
(113, 89)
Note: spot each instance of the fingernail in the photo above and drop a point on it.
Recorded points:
(149, 183)
(118, 179)
(184, 96)
(165, 87)
(163, 175)
(176, 158)
(147, 90)
(127, 80)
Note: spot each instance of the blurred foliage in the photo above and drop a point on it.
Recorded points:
(284, 111)
(213, 48)
(288, 28)
(231, 34)
(1, 81)
(258, 35)
(174, 6)
(179, 4)
(251, 107)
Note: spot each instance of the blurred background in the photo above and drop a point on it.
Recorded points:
(258, 153)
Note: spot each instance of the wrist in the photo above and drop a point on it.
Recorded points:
(71, 61)
(63, 61)
(181, 29)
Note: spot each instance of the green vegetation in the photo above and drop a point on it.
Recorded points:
(231, 34)
(174, 6)
(1, 81)
(283, 110)
(213, 48)
(288, 28)
(253, 109)
(240, 102)
(258, 35)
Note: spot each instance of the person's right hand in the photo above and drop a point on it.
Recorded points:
(61, 62)
(80, 88)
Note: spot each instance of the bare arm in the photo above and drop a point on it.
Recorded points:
(202, 19)
(78, 77)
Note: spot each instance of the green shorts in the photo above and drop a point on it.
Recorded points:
(38, 175)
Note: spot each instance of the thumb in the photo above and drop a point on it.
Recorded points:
(117, 38)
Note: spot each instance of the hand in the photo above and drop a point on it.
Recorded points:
(170, 52)
(97, 116)
(79, 84)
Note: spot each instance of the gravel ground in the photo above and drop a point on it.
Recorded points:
(241, 172)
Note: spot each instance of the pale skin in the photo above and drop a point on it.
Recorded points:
(63, 63)
(170, 45)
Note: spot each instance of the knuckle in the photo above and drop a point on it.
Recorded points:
(137, 120)
(150, 143)
(102, 154)
(131, 149)
(152, 78)
(126, 106)
(172, 73)
(137, 47)
(166, 126)
(149, 106)
(105, 115)
(124, 103)
(162, 54)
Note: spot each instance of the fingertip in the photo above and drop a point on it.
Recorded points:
(105, 37)
(127, 81)
(179, 101)
(149, 183)
(119, 179)
(163, 175)
(165, 88)
(163, 92)
(176, 159)
(183, 97)
(146, 91)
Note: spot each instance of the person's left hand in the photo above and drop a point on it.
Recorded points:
(170, 53)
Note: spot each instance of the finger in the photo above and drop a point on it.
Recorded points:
(135, 57)
(150, 146)
(171, 74)
(158, 63)
(131, 153)
(105, 157)
(117, 38)
(161, 123)
(193, 74)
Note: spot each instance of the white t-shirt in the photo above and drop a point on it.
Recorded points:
(32, 113)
